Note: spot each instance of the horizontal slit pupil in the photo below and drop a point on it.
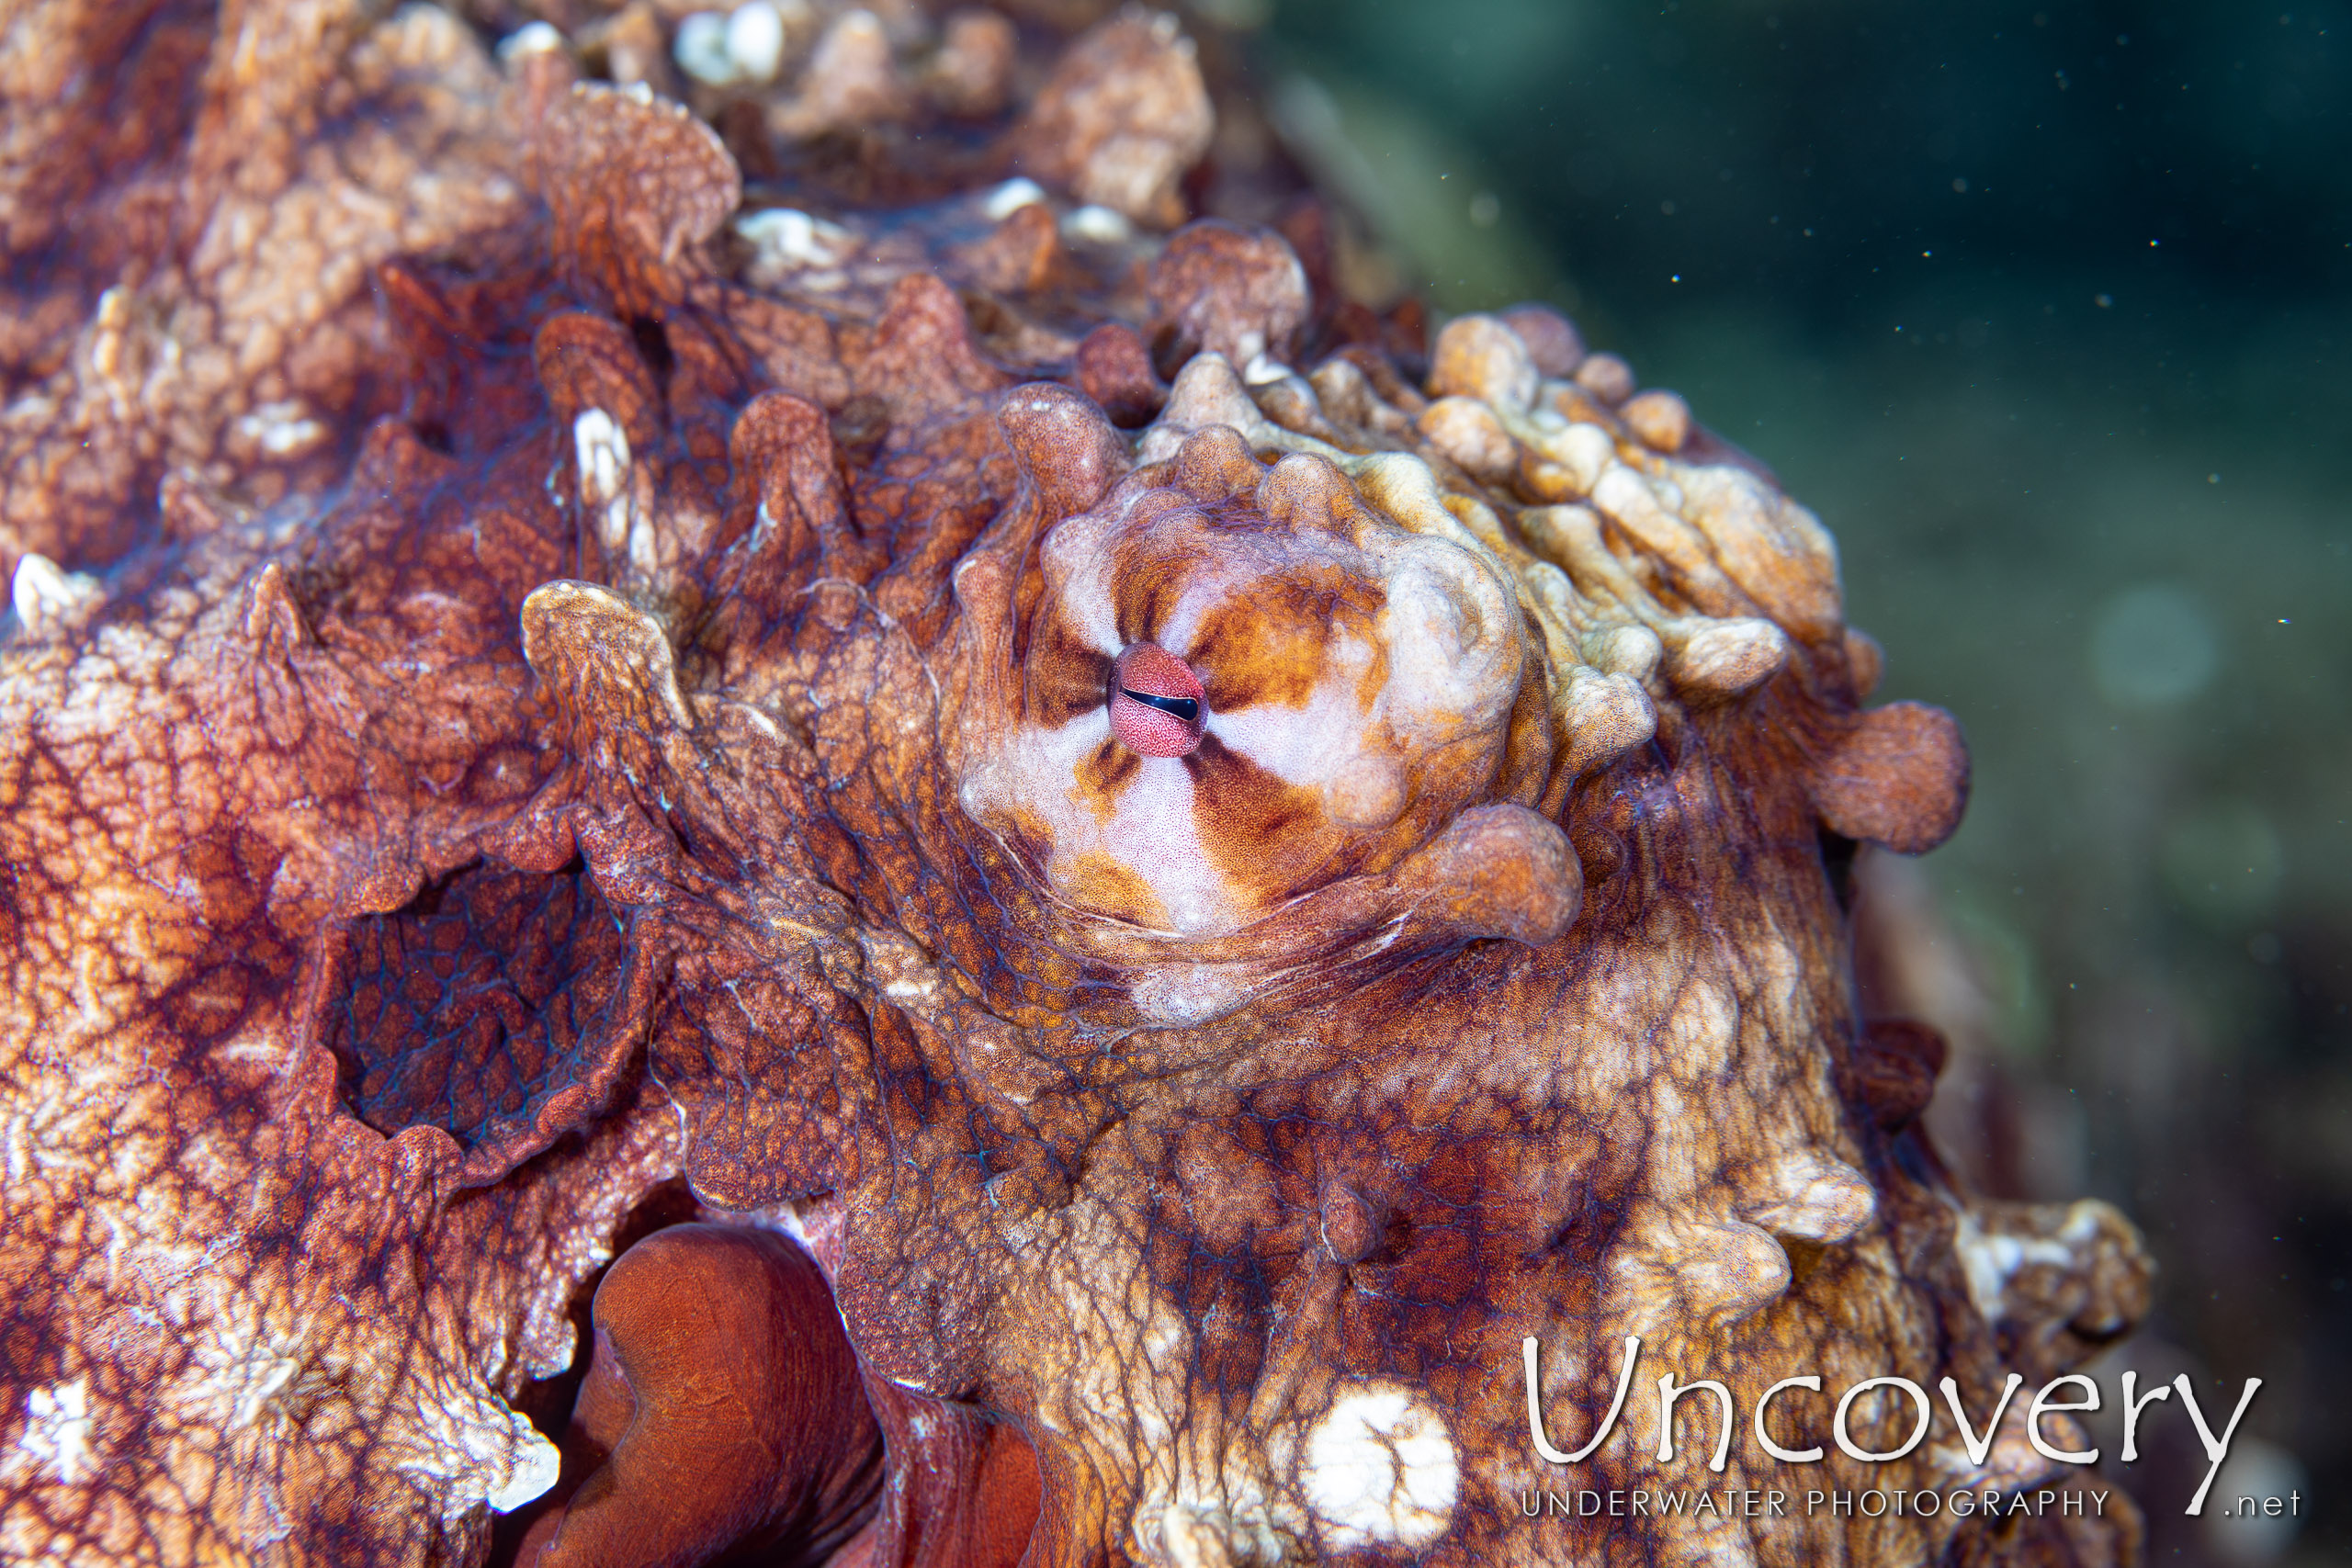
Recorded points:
(1186, 708)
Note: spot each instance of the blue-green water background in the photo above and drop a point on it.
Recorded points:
(2045, 311)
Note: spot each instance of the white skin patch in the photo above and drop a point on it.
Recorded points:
(788, 238)
(1011, 197)
(601, 451)
(534, 1467)
(1151, 829)
(480, 1449)
(282, 429)
(1078, 582)
(43, 593)
(1380, 1468)
(1448, 669)
(1326, 744)
(243, 1386)
(58, 1431)
(1305, 745)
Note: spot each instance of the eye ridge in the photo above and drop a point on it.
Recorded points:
(1186, 708)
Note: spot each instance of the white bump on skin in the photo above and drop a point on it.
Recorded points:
(1099, 224)
(280, 430)
(1726, 658)
(1586, 451)
(1380, 1468)
(58, 1429)
(243, 1367)
(107, 349)
(44, 595)
(1264, 369)
(1633, 651)
(755, 41)
(1448, 654)
(1819, 1199)
(602, 450)
(533, 38)
(477, 1448)
(1011, 197)
(789, 238)
(722, 48)
(1632, 502)
(533, 1468)
(1990, 1263)
(700, 48)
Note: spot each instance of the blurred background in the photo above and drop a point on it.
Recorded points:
(2046, 312)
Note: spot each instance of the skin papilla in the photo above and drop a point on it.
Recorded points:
(1113, 874)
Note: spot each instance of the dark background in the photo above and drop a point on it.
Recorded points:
(2045, 311)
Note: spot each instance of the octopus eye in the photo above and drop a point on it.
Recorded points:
(1157, 703)
(1184, 708)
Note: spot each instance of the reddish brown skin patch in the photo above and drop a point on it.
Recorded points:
(1257, 827)
(1067, 678)
(1895, 1067)
(1105, 773)
(1114, 370)
(1103, 884)
(1227, 289)
(1270, 648)
(724, 1408)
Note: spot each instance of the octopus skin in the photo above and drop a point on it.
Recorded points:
(800, 829)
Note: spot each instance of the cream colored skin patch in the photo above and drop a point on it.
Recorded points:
(1380, 1467)
(1155, 833)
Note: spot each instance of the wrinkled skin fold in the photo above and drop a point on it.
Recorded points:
(1124, 875)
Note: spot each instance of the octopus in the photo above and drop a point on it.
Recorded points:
(805, 812)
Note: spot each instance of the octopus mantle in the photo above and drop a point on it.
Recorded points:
(1199, 871)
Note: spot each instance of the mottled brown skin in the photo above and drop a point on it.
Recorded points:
(630, 763)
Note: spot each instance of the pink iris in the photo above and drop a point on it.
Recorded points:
(1157, 705)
